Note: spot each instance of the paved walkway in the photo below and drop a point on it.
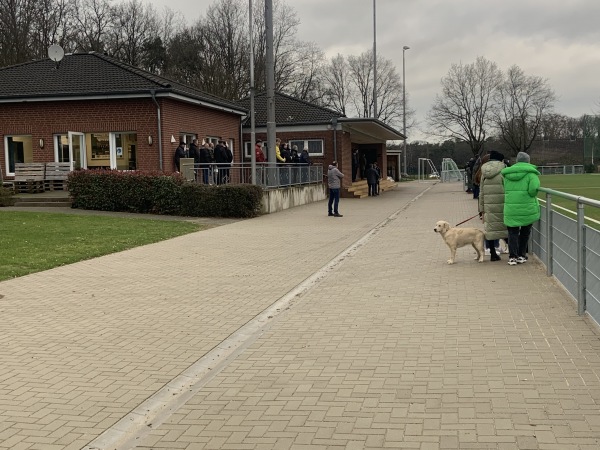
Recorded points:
(298, 330)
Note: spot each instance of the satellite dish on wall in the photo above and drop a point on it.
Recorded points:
(56, 53)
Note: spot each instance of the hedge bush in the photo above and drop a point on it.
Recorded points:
(157, 193)
(6, 197)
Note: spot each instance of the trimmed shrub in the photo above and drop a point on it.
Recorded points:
(157, 193)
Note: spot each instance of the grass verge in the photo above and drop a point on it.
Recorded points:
(33, 242)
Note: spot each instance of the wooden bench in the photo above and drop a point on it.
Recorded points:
(29, 177)
(56, 176)
(6, 184)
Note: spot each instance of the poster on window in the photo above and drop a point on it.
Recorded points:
(119, 152)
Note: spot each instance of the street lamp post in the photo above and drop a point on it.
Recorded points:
(404, 105)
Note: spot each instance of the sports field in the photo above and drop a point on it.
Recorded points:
(585, 185)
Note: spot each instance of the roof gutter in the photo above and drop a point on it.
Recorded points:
(160, 149)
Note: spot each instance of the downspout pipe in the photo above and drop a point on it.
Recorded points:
(160, 149)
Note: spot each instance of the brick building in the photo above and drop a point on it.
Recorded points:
(328, 134)
(96, 112)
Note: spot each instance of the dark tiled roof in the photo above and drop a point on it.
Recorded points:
(90, 74)
(288, 110)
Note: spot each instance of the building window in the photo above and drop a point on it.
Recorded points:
(187, 137)
(61, 148)
(315, 146)
(123, 151)
(98, 151)
(18, 149)
(247, 147)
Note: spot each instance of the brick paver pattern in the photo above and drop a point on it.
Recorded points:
(392, 349)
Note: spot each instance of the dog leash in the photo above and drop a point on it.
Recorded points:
(460, 223)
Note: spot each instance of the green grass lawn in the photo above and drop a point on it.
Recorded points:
(585, 185)
(32, 242)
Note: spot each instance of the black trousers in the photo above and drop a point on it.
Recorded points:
(518, 238)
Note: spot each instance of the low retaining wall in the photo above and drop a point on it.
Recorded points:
(276, 200)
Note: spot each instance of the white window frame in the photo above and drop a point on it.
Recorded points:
(305, 142)
(6, 157)
(112, 145)
(247, 150)
(56, 142)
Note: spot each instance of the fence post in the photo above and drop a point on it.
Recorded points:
(549, 268)
(581, 300)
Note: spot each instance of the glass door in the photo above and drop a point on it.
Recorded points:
(77, 152)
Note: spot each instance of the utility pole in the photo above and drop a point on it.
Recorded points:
(270, 71)
(404, 106)
(252, 118)
(374, 62)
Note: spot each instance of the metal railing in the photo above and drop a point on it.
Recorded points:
(561, 170)
(268, 175)
(570, 250)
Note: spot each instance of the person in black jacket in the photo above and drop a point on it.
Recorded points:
(179, 153)
(355, 164)
(204, 161)
(222, 160)
(194, 152)
(372, 178)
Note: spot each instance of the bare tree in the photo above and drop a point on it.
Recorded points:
(53, 24)
(348, 88)
(225, 60)
(336, 85)
(184, 62)
(16, 22)
(522, 102)
(361, 80)
(306, 80)
(133, 24)
(464, 109)
(93, 19)
(559, 126)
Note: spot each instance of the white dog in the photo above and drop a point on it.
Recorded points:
(459, 237)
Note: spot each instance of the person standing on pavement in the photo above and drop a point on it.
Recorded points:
(334, 179)
(371, 174)
(355, 164)
(491, 202)
(378, 170)
(521, 206)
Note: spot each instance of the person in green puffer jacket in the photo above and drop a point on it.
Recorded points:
(521, 205)
(491, 202)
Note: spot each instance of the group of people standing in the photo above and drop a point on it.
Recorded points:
(209, 158)
(371, 172)
(508, 203)
(283, 154)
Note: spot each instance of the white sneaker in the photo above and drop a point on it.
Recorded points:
(512, 262)
(487, 252)
(521, 260)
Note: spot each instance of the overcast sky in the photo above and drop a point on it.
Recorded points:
(555, 39)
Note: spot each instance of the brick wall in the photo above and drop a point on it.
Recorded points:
(42, 120)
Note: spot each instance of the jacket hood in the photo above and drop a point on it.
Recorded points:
(519, 170)
(331, 166)
(492, 168)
